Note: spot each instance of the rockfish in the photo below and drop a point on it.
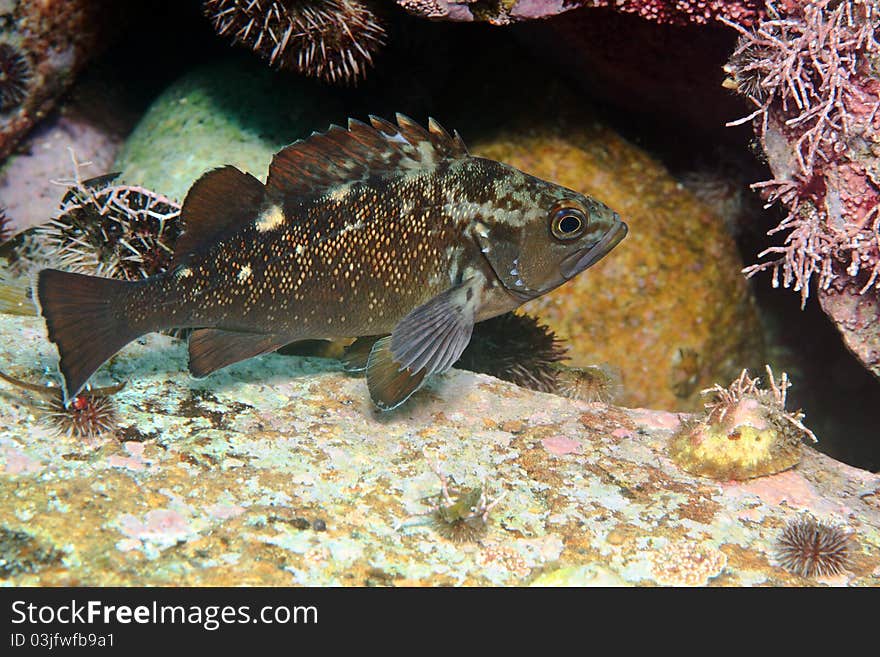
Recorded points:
(392, 234)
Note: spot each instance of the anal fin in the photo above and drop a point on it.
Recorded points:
(390, 385)
(212, 349)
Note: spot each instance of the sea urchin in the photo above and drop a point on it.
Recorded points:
(88, 415)
(15, 73)
(515, 348)
(112, 230)
(333, 40)
(5, 231)
(810, 548)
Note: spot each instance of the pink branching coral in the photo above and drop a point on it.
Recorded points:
(811, 70)
(670, 12)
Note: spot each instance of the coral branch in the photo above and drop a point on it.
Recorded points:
(813, 76)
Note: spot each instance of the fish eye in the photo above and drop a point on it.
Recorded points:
(568, 223)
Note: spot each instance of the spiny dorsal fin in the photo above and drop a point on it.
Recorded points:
(341, 156)
(219, 200)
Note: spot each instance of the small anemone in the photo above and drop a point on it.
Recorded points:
(744, 431)
(459, 514)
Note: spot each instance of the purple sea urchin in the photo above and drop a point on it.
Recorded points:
(332, 40)
(89, 414)
(515, 348)
(15, 74)
(810, 548)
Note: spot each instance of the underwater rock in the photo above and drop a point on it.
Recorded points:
(670, 12)
(276, 471)
(670, 310)
(26, 178)
(43, 45)
(671, 80)
(232, 112)
(857, 316)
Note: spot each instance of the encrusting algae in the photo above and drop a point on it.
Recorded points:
(745, 432)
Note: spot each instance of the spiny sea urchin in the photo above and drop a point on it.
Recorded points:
(810, 548)
(117, 231)
(333, 40)
(594, 383)
(90, 414)
(746, 69)
(5, 230)
(515, 348)
(15, 74)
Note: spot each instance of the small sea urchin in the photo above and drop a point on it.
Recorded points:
(594, 383)
(5, 231)
(810, 548)
(332, 40)
(15, 74)
(90, 414)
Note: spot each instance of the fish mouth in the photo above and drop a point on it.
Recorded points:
(577, 262)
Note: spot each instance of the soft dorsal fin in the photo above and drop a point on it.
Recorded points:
(219, 200)
(341, 156)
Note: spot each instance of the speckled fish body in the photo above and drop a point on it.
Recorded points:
(390, 233)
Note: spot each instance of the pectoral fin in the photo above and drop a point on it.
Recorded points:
(428, 340)
(211, 349)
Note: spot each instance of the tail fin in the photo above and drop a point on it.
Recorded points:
(82, 319)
